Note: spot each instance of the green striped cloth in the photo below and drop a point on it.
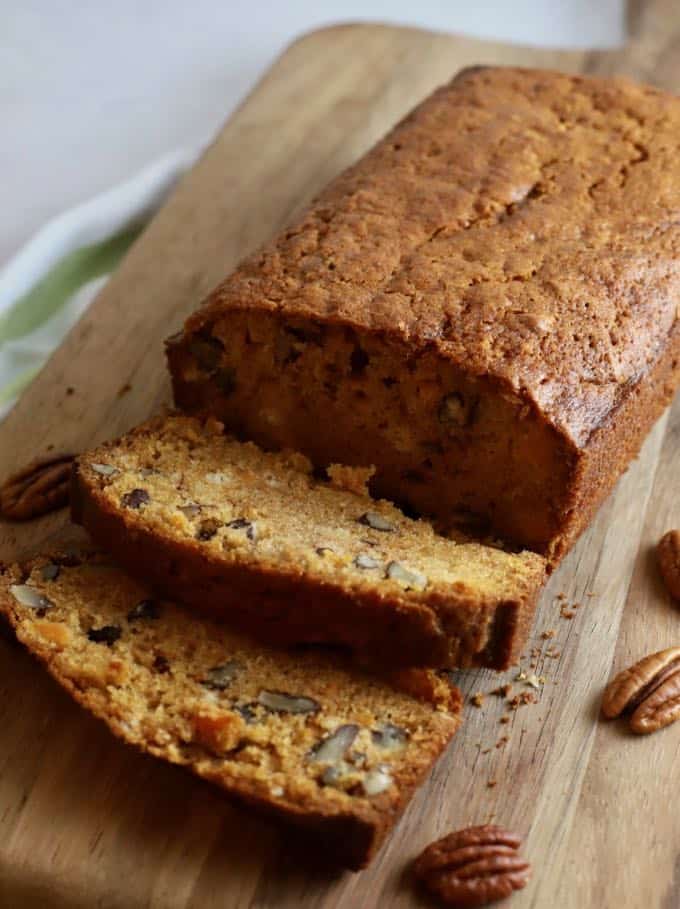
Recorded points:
(37, 322)
(53, 279)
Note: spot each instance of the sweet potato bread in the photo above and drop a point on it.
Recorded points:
(484, 306)
(297, 734)
(256, 538)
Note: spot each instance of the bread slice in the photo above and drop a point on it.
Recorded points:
(253, 536)
(298, 734)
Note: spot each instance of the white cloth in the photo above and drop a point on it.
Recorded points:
(84, 227)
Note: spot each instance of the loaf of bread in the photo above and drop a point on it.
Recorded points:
(484, 306)
(255, 538)
(296, 734)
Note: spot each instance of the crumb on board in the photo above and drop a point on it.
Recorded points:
(504, 719)
(124, 389)
(477, 699)
(502, 741)
(548, 634)
(491, 784)
(503, 691)
(70, 390)
(522, 699)
(568, 610)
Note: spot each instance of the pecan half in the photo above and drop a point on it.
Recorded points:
(473, 867)
(649, 691)
(668, 557)
(37, 489)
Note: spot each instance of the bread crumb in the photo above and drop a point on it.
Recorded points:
(353, 479)
(547, 635)
(522, 699)
(491, 784)
(214, 426)
(504, 719)
(298, 461)
(503, 740)
(477, 699)
(503, 691)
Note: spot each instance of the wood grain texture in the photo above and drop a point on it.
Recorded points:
(84, 820)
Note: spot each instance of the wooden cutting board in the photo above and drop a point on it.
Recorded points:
(84, 820)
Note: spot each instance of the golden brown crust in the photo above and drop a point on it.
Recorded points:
(521, 226)
(619, 133)
(448, 625)
(117, 679)
(615, 443)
